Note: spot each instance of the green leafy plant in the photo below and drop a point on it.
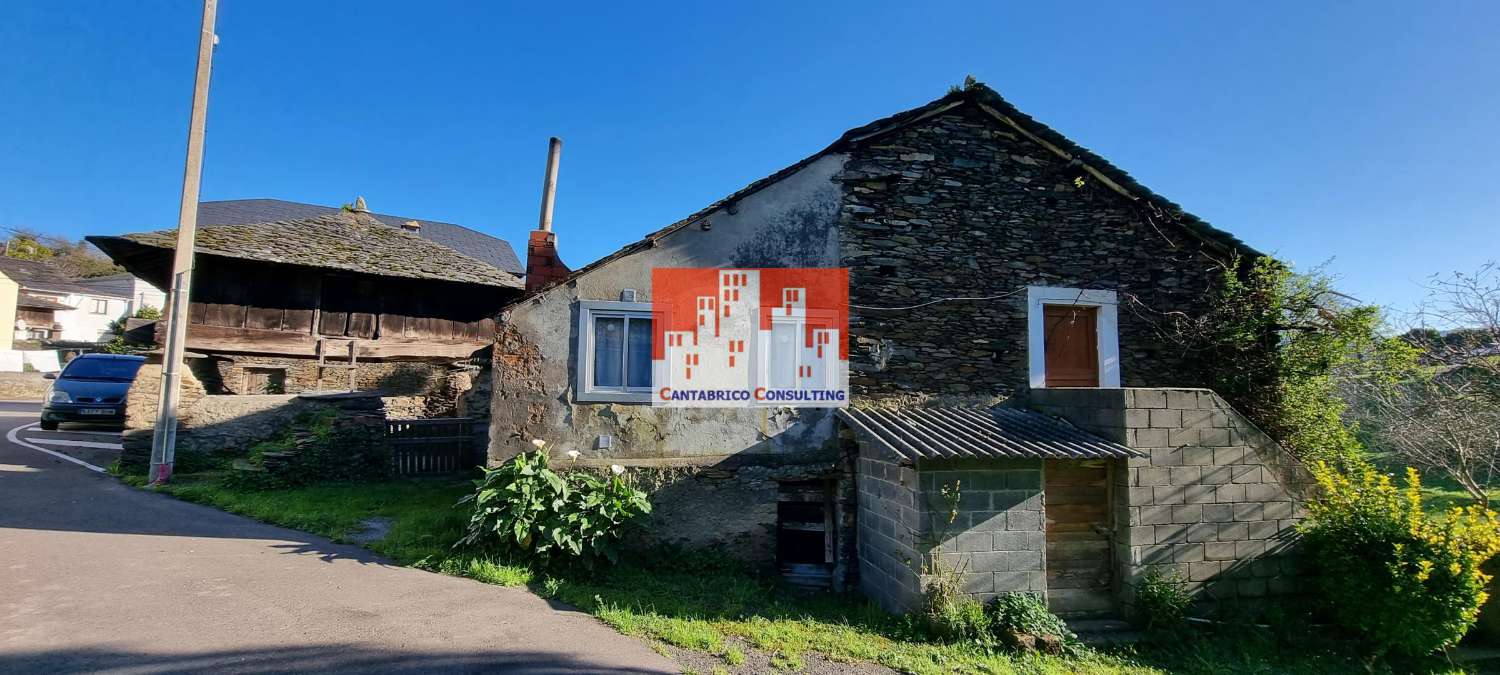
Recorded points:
(1408, 582)
(1026, 613)
(1279, 345)
(1161, 600)
(148, 312)
(523, 506)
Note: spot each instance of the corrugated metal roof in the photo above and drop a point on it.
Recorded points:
(959, 432)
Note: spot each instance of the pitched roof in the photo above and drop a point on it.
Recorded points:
(959, 432)
(477, 245)
(40, 276)
(991, 103)
(29, 301)
(354, 242)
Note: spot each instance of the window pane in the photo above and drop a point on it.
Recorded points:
(609, 351)
(640, 353)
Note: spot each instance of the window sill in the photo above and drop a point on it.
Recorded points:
(613, 397)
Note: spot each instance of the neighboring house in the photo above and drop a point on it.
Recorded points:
(139, 293)
(54, 307)
(989, 259)
(339, 301)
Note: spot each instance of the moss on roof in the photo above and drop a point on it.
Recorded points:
(354, 242)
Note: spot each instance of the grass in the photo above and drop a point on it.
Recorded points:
(716, 607)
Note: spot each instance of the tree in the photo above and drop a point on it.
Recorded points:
(1447, 416)
(78, 259)
(1278, 345)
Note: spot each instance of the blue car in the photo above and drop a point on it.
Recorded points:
(90, 389)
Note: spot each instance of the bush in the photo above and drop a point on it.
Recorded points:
(525, 507)
(1027, 614)
(1407, 582)
(1161, 600)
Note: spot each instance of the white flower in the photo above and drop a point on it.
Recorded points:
(573, 454)
(617, 469)
(538, 442)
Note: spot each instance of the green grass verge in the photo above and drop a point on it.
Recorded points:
(715, 606)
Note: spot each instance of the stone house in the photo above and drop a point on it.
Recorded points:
(1006, 288)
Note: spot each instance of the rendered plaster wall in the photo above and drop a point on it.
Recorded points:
(788, 224)
(1216, 500)
(714, 503)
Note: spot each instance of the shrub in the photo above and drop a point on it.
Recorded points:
(1408, 582)
(1026, 613)
(952, 615)
(524, 506)
(1161, 600)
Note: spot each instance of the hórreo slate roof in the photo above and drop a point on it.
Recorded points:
(914, 433)
(477, 245)
(348, 241)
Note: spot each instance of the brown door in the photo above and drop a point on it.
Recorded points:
(1072, 337)
(1076, 499)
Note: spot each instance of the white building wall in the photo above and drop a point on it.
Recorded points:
(90, 317)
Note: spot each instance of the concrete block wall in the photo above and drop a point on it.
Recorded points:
(889, 517)
(1215, 499)
(997, 540)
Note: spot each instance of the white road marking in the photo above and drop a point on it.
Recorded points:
(12, 437)
(114, 434)
(76, 444)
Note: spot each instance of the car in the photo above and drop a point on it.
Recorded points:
(91, 388)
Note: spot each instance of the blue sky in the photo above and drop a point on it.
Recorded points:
(1359, 133)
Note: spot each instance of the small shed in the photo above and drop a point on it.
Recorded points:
(1074, 494)
(1009, 498)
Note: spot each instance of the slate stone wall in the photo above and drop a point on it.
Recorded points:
(960, 206)
(1216, 501)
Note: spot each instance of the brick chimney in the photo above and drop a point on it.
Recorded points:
(543, 267)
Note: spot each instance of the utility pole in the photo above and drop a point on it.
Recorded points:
(164, 440)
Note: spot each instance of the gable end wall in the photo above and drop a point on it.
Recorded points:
(959, 206)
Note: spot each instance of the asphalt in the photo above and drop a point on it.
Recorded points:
(99, 577)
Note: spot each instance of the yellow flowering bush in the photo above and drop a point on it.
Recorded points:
(1409, 582)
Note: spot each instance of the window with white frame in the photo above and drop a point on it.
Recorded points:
(614, 352)
(100, 306)
(1049, 321)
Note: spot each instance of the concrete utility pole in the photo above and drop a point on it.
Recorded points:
(164, 440)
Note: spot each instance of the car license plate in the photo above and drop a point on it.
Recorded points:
(97, 411)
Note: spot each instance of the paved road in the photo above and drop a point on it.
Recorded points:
(96, 576)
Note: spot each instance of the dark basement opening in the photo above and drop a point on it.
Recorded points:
(805, 532)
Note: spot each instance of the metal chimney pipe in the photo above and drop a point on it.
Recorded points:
(549, 183)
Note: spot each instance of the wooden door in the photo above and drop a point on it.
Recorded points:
(1071, 333)
(1079, 569)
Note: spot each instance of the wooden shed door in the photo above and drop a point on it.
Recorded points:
(1076, 499)
(1071, 333)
